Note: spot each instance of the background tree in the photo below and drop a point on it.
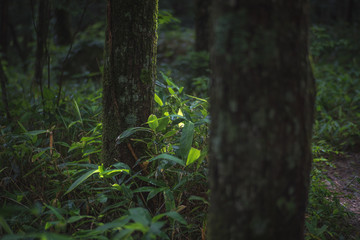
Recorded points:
(202, 25)
(42, 30)
(129, 73)
(262, 98)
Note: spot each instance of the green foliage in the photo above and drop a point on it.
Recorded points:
(324, 209)
(53, 185)
(338, 101)
(78, 192)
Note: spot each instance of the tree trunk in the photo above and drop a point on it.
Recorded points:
(202, 28)
(4, 29)
(129, 74)
(63, 25)
(3, 81)
(42, 29)
(262, 100)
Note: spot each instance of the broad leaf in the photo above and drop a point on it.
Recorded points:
(158, 100)
(153, 122)
(193, 155)
(186, 139)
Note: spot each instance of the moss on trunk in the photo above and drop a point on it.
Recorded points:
(129, 73)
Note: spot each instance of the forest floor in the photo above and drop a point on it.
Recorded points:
(345, 179)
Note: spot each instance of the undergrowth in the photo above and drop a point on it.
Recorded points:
(53, 185)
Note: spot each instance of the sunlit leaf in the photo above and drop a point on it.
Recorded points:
(158, 100)
(193, 155)
(180, 113)
(153, 122)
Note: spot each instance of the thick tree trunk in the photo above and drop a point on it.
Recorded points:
(262, 98)
(129, 73)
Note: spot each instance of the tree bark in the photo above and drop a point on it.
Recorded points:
(129, 73)
(262, 99)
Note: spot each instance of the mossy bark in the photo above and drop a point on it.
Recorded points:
(262, 100)
(129, 73)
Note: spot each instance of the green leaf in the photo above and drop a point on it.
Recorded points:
(78, 111)
(186, 140)
(101, 169)
(153, 122)
(158, 100)
(197, 198)
(163, 122)
(154, 192)
(128, 132)
(22, 127)
(77, 218)
(136, 226)
(176, 216)
(168, 80)
(35, 132)
(140, 215)
(159, 183)
(55, 211)
(169, 200)
(194, 154)
(81, 179)
(76, 145)
(168, 157)
(5, 226)
(170, 133)
(73, 123)
(171, 91)
(120, 165)
(114, 172)
(144, 189)
(114, 224)
(38, 155)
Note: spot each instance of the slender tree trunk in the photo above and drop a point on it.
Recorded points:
(129, 74)
(63, 26)
(3, 81)
(42, 28)
(262, 99)
(4, 22)
(202, 26)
